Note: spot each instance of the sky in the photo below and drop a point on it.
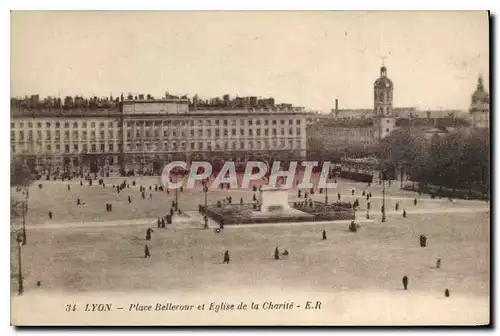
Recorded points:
(303, 58)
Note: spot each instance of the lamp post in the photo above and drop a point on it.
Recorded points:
(20, 271)
(383, 200)
(326, 191)
(205, 189)
(176, 193)
(24, 205)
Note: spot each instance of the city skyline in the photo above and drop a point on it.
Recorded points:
(433, 59)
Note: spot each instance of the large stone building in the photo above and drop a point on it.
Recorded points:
(480, 106)
(144, 134)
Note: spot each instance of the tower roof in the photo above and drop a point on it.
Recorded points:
(383, 82)
(480, 92)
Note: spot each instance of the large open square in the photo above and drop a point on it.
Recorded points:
(103, 252)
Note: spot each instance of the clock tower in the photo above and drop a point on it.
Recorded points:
(383, 113)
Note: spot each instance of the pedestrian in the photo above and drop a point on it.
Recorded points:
(438, 263)
(129, 200)
(324, 235)
(226, 257)
(299, 193)
(205, 219)
(447, 292)
(338, 196)
(69, 187)
(171, 211)
(364, 193)
(78, 202)
(415, 201)
(276, 253)
(254, 198)
(81, 182)
(148, 233)
(352, 192)
(90, 183)
(158, 222)
(150, 188)
(404, 213)
(405, 282)
(104, 185)
(368, 205)
(50, 214)
(423, 241)
(241, 201)
(107, 207)
(305, 195)
(143, 195)
(397, 206)
(147, 254)
(156, 187)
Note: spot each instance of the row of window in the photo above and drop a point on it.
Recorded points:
(67, 148)
(57, 135)
(200, 122)
(208, 132)
(226, 145)
(217, 122)
(20, 136)
(174, 146)
(66, 124)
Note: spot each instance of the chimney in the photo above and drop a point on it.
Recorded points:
(336, 106)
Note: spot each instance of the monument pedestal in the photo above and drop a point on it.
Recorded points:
(274, 199)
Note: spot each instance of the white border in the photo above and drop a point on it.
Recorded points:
(181, 5)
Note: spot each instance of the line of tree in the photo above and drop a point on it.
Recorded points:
(455, 160)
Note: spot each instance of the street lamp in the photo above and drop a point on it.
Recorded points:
(24, 205)
(176, 193)
(383, 200)
(205, 189)
(326, 194)
(20, 271)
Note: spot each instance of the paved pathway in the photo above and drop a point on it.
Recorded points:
(195, 220)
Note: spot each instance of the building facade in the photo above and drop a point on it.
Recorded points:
(480, 106)
(143, 135)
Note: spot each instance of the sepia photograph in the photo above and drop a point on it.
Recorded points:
(250, 168)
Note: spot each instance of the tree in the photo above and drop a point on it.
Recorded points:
(20, 174)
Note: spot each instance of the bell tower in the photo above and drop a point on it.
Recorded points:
(383, 113)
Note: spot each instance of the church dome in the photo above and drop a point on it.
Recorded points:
(480, 94)
(383, 82)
